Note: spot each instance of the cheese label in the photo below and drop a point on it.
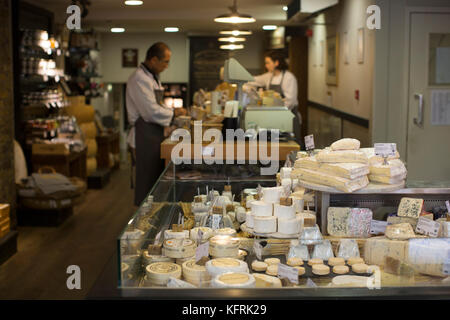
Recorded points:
(202, 251)
(385, 149)
(288, 272)
(428, 227)
(309, 142)
(377, 227)
(258, 250)
(215, 221)
(447, 203)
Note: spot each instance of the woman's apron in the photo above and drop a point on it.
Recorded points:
(297, 120)
(149, 165)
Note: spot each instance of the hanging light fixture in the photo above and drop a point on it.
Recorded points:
(234, 16)
(236, 32)
(231, 39)
(232, 46)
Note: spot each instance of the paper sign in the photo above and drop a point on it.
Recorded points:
(385, 149)
(309, 142)
(311, 283)
(428, 227)
(216, 221)
(447, 203)
(207, 151)
(258, 250)
(202, 251)
(377, 226)
(285, 271)
(157, 237)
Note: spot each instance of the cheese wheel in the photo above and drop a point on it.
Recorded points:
(248, 201)
(222, 201)
(333, 261)
(261, 209)
(272, 270)
(346, 144)
(158, 273)
(194, 273)
(241, 214)
(289, 226)
(169, 234)
(179, 248)
(265, 224)
(228, 194)
(207, 233)
(150, 258)
(222, 265)
(315, 261)
(234, 280)
(294, 261)
(360, 268)
(340, 269)
(226, 232)
(283, 212)
(301, 270)
(199, 207)
(271, 261)
(355, 260)
(259, 266)
(320, 269)
(223, 246)
(249, 220)
(266, 281)
(272, 195)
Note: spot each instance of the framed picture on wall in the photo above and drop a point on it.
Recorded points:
(361, 45)
(332, 60)
(129, 58)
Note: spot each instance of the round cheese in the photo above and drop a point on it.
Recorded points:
(271, 261)
(226, 232)
(207, 233)
(360, 268)
(179, 248)
(340, 269)
(265, 224)
(301, 270)
(222, 201)
(158, 273)
(294, 261)
(355, 260)
(228, 194)
(222, 265)
(261, 209)
(272, 195)
(241, 214)
(259, 266)
(194, 273)
(234, 280)
(248, 201)
(169, 234)
(289, 226)
(272, 270)
(221, 246)
(315, 261)
(249, 220)
(320, 269)
(198, 207)
(242, 254)
(266, 281)
(149, 258)
(199, 216)
(336, 261)
(284, 212)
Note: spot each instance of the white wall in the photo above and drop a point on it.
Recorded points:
(111, 55)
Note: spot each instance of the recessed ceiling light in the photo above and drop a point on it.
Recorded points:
(285, 8)
(232, 46)
(236, 32)
(117, 30)
(133, 2)
(171, 29)
(269, 27)
(231, 39)
(234, 16)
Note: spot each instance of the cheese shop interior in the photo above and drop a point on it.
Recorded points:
(375, 71)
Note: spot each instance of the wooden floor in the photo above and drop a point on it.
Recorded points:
(87, 239)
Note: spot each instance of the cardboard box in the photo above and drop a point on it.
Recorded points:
(50, 149)
(4, 211)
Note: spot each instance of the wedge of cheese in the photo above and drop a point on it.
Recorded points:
(430, 256)
(344, 170)
(376, 250)
(401, 231)
(342, 184)
(387, 180)
(349, 222)
(346, 144)
(374, 159)
(342, 156)
(392, 168)
(410, 207)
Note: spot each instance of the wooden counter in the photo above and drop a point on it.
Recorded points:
(252, 150)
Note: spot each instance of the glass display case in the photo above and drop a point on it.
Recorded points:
(420, 269)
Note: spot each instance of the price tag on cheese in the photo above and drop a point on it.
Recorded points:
(309, 142)
(377, 227)
(202, 251)
(428, 227)
(447, 203)
(208, 151)
(258, 250)
(216, 221)
(288, 272)
(385, 149)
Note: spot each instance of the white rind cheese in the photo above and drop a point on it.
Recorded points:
(223, 265)
(266, 281)
(342, 184)
(169, 234)
(159, 273)
(374, 159)
(250, 220)
(346, 144)
(149, 258)
(344, 170)
(223, 246)
(265, 224)
(387, 180)
(401, 231)
(285, 173)
(393, 168)
(342, 156)
(272, 195)
(241, 214)
(194, 273)
(284, 212)
(234, 280)
(207, 233)
(289, 226)
(225, 232)
(262, 209)
(179, 248)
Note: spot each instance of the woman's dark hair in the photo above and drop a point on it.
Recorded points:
(278, 56)
(157, 50)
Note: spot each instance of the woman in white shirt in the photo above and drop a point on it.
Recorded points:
(280, 79)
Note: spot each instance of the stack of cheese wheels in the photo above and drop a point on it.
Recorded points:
(150, 258)
(263, 219)
(234, 280)
(169, 234)
(223, 246)
(288, 223)
(158, 273)
(196, 274)
(223, 265)
(179, 248)
(226, 232)
(205, 231)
